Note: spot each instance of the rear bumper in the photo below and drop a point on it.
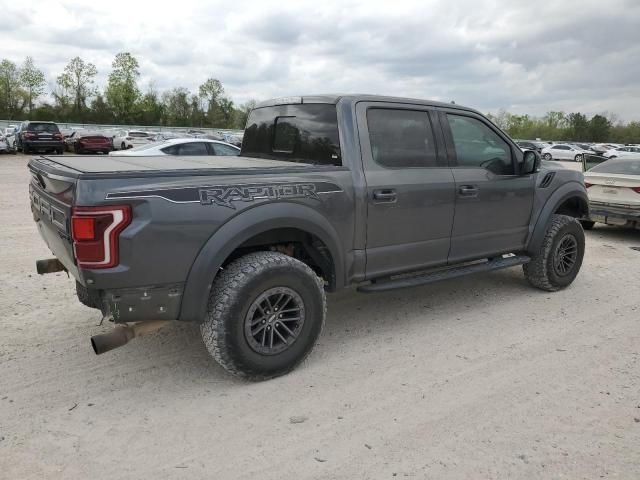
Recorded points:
(139, 304)
(35, 144)
(607, 213)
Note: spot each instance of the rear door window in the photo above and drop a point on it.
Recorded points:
(193, 148)
(224, 150)
(401, 138)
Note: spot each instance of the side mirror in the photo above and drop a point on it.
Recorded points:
(530, 162)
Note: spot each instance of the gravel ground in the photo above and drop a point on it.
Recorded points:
(481, 377)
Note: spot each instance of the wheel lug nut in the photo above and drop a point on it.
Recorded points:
(264, 321)
(280, 316)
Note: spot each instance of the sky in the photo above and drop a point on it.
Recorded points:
(521, 56)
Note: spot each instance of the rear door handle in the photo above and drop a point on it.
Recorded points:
(385, 195)
(468, 191)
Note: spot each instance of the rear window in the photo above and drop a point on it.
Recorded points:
(43, 127)
(296, 133)
(619, 166)
(138, 134)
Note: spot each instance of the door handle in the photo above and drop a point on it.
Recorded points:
(468, 191)
(385, 195)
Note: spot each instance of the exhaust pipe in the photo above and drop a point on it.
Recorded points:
(123, 333)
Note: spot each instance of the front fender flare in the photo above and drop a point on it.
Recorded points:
(558, 197)
(241, 228)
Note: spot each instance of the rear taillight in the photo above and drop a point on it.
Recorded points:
(29, 135)
(57, 136)
(128, 138)
(95, 232)
(587, 184)
(636, 189)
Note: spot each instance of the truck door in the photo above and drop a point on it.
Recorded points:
(410, 188)
(493, 202)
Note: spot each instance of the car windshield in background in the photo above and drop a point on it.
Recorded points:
(621, 166)
(43, 127)
(296, 133)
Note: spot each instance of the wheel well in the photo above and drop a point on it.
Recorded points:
(295, 243)
(574, 207)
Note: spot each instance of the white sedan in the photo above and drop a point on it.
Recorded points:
(563, 152)
(124, 139)
(622, 152)
(181, 146)
(613, 188)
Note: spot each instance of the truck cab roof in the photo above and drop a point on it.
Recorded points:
(354, 98)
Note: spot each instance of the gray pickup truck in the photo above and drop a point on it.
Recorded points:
(329, 191)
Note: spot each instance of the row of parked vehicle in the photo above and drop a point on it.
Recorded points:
(576, 151)
(40, 136)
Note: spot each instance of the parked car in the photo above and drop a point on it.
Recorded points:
(9, 131)
(125, 139)
(160, 137)
(247, 246)
(530, 145)
(622, 152)
(613, 188)
(10, 138)
(39, 136)
(181, 146)
(4, 147)
(91, 142)
(563, 152)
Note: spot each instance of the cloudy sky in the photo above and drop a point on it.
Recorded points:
(524, 56)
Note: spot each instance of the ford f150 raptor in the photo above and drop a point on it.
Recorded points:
(328, 191)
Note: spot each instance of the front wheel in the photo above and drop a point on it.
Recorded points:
(559, 259)
(123, 146)
(265, 313)
(547, 156)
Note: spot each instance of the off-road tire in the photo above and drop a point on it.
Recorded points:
(233, 292)
(587, 224)
(540, 271)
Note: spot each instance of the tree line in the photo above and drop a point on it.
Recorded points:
(75, 97)
(575, 127)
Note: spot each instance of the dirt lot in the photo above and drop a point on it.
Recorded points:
(482, 377)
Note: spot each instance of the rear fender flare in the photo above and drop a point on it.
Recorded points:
(241, 228)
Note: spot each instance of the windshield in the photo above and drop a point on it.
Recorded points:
(43, 127)
(619, 166)
(305, 133)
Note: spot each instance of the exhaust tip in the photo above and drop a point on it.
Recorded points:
(108, 341)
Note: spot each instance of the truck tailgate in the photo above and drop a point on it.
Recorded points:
(51, 200)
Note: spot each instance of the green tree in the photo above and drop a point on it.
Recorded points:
(577, 127)
(32, 80)
(76, 82)
(211, 91)
(122, 91)
(599, 128)
(242, 113)
(150, 108)
(178, 106)
(12, 96)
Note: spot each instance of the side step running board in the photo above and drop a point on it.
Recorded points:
(452, 272)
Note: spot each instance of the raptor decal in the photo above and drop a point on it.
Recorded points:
(228, 195)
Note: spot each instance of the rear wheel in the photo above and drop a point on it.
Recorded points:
(578, 158)
(558, 262)
(265, 313)
(123, 146)
(547, 156)
(25, 149)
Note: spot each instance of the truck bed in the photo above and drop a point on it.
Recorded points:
(89, 166)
